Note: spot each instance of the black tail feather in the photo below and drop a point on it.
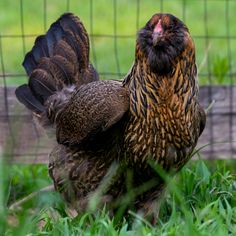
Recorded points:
(29, 63)
(59, 58)
(25, 96)
(40, 48)
(66, 26)
(78, 47)
(68, 23)
(41, 86)
(64, 49)
(53, 36)
(43, 47)
(67, 70)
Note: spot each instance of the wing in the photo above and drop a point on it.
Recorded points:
(93, 108)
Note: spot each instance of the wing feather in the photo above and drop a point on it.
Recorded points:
(94, 108)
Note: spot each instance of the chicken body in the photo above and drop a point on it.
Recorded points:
(108, 131)
(165, 119)
(165, 115)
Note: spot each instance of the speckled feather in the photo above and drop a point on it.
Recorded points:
(163, 123)
(154, 115)
(165, 118)
(93, 108)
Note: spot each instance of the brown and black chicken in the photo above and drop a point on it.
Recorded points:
(109, 131)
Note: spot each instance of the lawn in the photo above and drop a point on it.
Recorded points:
(201, 199)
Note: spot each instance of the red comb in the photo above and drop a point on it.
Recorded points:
(158, 27)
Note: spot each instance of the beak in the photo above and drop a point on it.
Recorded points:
(156, 36)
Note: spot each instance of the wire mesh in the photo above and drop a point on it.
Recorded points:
(112, 27)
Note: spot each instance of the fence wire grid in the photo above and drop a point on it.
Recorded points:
(112, 27)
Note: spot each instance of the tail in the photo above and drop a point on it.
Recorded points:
(58, 59)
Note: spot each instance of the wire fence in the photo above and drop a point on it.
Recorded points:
(112, 27)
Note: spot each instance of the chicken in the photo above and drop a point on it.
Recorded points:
(110, 134)
(65, 95)
(165, 119)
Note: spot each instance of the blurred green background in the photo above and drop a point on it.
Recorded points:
(211, 23)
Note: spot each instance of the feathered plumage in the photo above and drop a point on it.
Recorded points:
(165, 118)
(58, 59)
(153, 116)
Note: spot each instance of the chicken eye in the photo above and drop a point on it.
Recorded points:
(150, 27)
(170, 27)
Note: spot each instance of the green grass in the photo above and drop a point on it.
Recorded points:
(201, 200)
(208, 56)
